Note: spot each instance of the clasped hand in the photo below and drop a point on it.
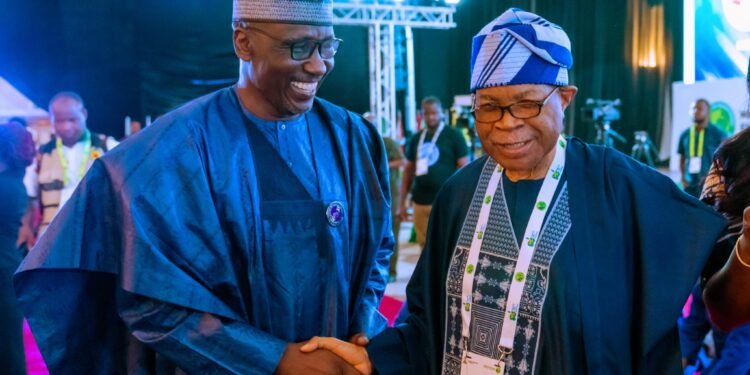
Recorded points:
(353, 352)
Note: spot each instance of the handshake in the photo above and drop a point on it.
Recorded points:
(326, 355)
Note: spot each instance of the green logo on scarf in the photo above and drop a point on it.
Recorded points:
(513, 316)
(487, 199)
(470, 268)
(541, 205)
(519, 276)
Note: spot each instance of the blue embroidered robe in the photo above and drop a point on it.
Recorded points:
(195, 238)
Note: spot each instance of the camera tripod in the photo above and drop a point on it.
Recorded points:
(644, 148)
(605, 136)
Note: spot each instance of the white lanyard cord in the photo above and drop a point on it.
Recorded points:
(525, 253)
(434, 138)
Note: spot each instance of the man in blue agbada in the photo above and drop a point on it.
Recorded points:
(227, 232)
(548, 256)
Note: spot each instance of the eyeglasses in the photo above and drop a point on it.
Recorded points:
(521, 110)
(303, 50)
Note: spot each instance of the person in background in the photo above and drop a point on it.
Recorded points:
(696, 147)
(727, 275)
(25, 234)
(727, 189)
(16, 153)
(725, 293)
(63, 161)
(433, 155)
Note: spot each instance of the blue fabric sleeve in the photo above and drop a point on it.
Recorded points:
(199, 342)
(416, 347)
(367, 319)
(663, 278)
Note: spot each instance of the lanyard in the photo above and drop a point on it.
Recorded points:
(525, 253)
(693, 151)
(434, 139)
(84, 160)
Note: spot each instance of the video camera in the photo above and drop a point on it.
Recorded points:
(599, 110)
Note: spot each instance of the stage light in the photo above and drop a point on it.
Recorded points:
(452, 2)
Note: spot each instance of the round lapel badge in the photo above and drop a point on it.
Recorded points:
(335, 213)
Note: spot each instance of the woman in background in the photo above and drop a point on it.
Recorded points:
(727, 189)
(16, 152)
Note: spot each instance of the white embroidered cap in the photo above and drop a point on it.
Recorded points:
(303, 12)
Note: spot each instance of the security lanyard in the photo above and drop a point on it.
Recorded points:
(84, 160)
(525, 253)
(699, 151)
(434, 138)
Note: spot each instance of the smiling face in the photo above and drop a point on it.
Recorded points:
(278, 86)
(523, 146)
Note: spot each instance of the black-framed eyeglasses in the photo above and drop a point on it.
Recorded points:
(522, 110)
(303, 49)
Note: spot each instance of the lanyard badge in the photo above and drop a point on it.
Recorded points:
(423, 161)
(473, 363)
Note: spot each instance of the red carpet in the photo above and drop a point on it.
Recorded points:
(390, 308)
(34, 363)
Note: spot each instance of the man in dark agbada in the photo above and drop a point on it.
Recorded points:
(550, 256)
(230, 230)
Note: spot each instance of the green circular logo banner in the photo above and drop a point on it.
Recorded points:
(723, 117)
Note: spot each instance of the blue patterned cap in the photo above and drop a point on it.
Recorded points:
(302, 12)
(518, 48)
